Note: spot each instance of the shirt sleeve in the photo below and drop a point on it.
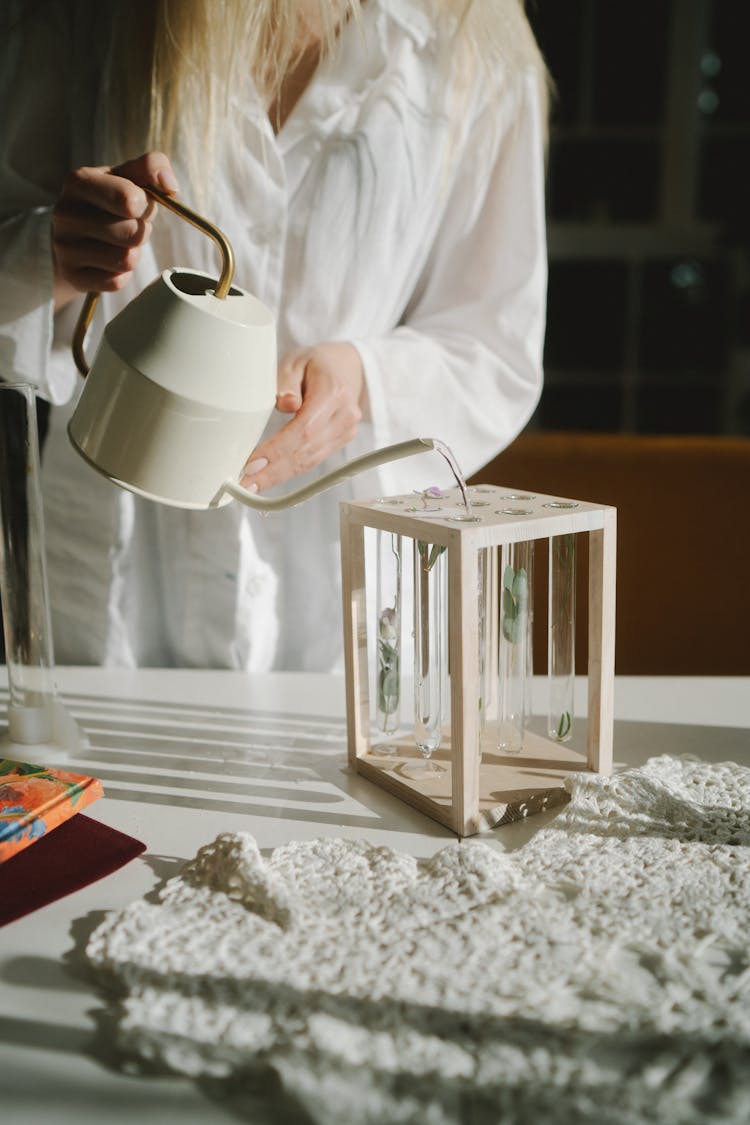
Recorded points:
(465, 364)
(26, 284)
(35, 57)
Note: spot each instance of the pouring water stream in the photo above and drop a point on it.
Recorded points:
(446, 452)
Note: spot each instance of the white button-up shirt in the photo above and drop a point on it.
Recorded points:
(391, 211)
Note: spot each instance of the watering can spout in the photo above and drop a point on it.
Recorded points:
(351, 468)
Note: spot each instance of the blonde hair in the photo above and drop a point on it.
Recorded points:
(189, 56)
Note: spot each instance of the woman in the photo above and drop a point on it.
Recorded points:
(378, 168)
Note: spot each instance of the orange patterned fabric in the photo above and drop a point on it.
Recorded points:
(35, 799)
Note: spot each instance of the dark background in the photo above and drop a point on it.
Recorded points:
(648, 195)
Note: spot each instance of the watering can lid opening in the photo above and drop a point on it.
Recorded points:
(196, 284)
(198, 288)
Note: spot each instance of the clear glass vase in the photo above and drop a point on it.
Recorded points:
(514, 666)
(35, 714)
(561, 636)
(429, 655)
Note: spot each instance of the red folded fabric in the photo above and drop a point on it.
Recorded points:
(74, 854)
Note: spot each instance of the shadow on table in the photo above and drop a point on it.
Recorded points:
(636, 742)
(260, 763)
(244, 761)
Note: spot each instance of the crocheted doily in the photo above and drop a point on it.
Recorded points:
(599, 974)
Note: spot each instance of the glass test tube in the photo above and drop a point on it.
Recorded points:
(488, 613)
(561, 635)
(514, 669)
(429, 648)
(388, 632)
(530, 629)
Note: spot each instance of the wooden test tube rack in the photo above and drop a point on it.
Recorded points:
(478, 788)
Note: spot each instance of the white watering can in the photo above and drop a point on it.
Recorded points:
(182, 386)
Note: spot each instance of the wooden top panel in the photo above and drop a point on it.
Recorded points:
(498, 515)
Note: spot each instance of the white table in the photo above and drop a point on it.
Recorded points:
(184, 755)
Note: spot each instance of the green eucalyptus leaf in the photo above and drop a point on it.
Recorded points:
(511, 630)
(390, 682)
(520, 584)
(435, 554)
(563, 728)
(510, 610)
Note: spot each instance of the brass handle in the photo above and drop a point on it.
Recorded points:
(221, 290)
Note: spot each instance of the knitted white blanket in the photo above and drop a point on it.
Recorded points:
(600, 974)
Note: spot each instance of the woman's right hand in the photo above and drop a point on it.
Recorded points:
(100, 223)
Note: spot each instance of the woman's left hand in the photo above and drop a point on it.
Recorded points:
(322, 387)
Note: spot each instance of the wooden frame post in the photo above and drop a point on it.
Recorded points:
(601, 666)
(463, 632)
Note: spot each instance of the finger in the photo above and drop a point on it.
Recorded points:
(119, 190)
(290, 377)
(93, 254)
(299, 442)
(97, 281)
(299, 447)
(152, 169)
(103, 190)
(78, 221)
(287, 454)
